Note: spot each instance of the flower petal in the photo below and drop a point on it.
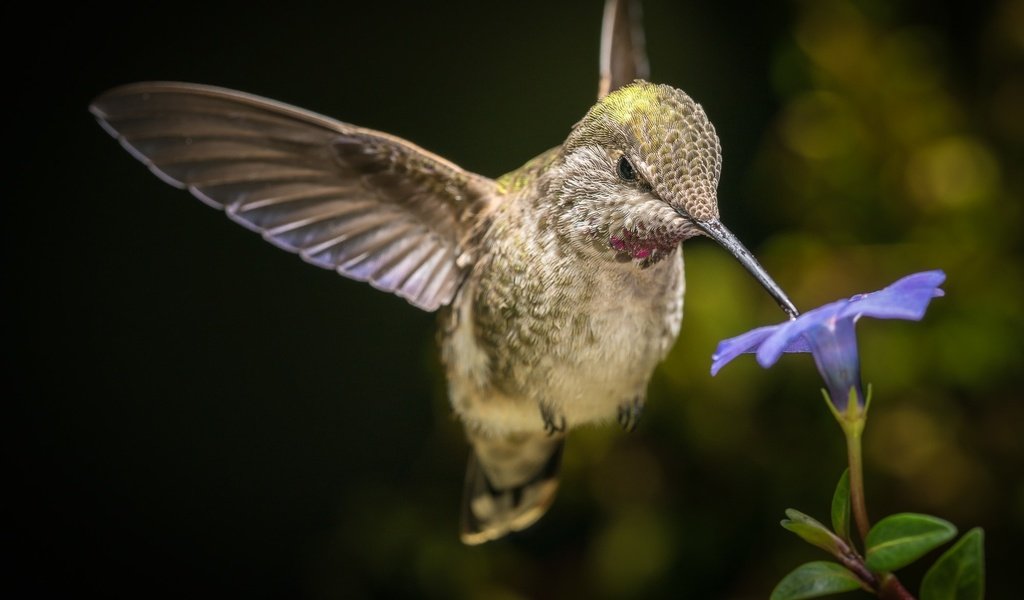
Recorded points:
(733, 347)
(907, 298)
(834, 348)
(790, 335)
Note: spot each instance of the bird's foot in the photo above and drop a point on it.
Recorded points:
(630, 412)
(553, 423)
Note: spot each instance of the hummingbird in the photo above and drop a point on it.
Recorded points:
(559, 286)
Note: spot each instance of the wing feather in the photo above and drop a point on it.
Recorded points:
(623, 51)
(369, 205)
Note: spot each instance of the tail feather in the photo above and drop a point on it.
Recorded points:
(511, 481)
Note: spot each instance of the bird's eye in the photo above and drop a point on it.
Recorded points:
(626, 170)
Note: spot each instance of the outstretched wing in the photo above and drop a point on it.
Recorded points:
(369, 205)
(623, 53)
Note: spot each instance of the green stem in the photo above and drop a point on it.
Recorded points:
(890, 588)
(886, 586)
(858, 504)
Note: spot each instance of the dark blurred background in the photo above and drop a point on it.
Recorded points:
(195, 411)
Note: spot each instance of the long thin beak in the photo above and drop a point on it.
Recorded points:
(723, 236)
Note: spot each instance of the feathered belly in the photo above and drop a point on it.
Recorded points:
(591, 359)
(613, 368)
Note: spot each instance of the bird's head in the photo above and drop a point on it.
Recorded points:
(639, 175)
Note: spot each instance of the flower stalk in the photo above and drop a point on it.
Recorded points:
(852, 420)
(858, 504)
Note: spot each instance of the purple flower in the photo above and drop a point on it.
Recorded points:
(827, 332)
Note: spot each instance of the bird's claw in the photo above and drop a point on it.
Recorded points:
(553, 423)
(630, 412)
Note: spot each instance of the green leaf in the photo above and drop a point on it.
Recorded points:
(959, 574)
(898, 540)
(815, 579)
(811, 531)
(841, 507)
